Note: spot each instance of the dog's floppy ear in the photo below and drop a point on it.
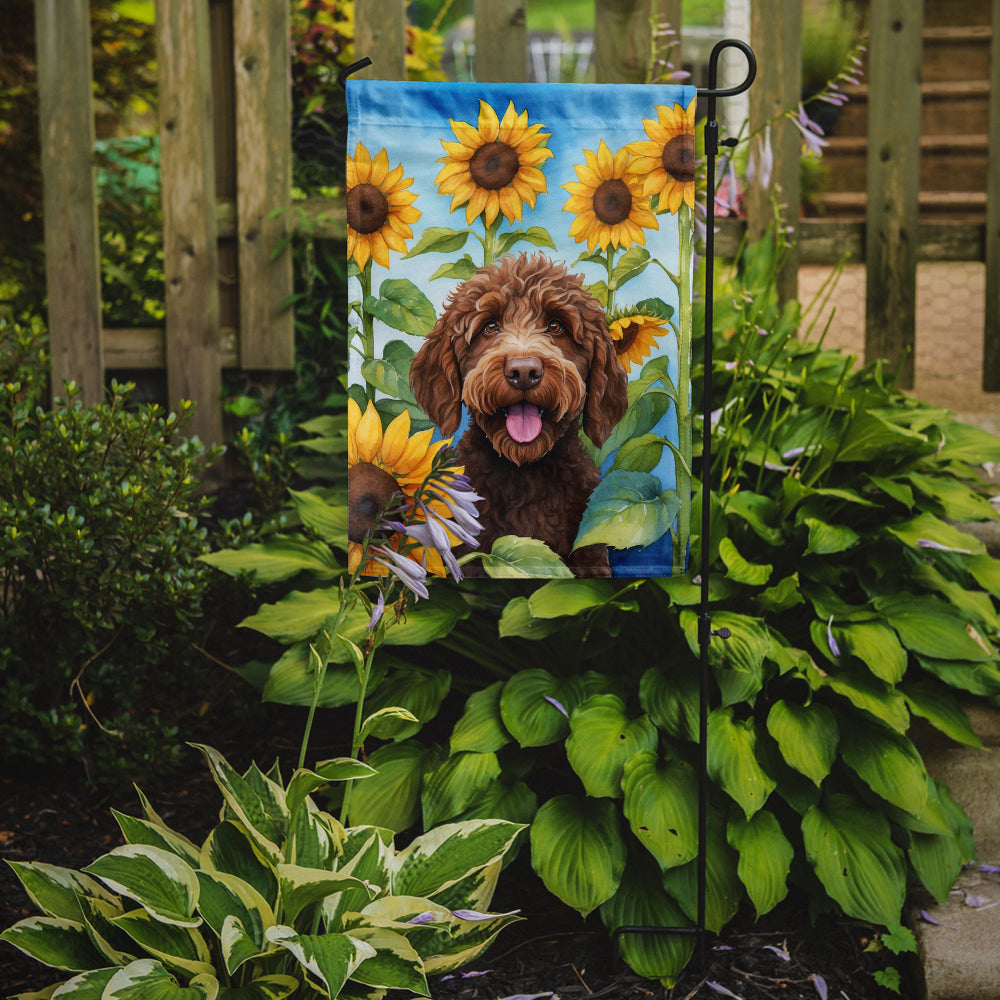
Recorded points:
(607, 385)
(435, 377)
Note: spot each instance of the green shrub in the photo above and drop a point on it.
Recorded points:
(99, 542)
(854, 605)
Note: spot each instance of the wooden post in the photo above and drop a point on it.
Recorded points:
(501, 38)
(261, 40)
(72, 255)
(623, 37)
(380, 34)
(776, 35)
(893, 184)
(190, 253)
(991, 333)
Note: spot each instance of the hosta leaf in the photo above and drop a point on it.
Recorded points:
(732, 760)
(292, 680)
(513, 557)
(888, 763)
(180, 948)
(274, 987)
(876, 645)
(723, 889)
(765, 858)
(395, 964)
(467, 940)
(627, 509)
(783, 595)
(850, 848)
(871, 435)
(530, 706)
(828, 539)
(438, 859)
(976, 678)
(937, 857)
(958, 502)
(671, 700)
(87, 986)
(231, 850)
(641, 901)
(147, 979)
(928, 528)
(515, 803)
(517, 620)
(481, 728)
(760, 512)
(304, 782)
(419, 691)
(936, 704)
(986, 571)
(738, 569)
(738, 661)
(54, 941)
(561, 598)
(661, 799)
(602, 738)
(325, 519)
(402, 306)
(159, 881)
(279, 558)
(456, 784)
(225, 897)
(56, 891)
(807, 736)
(330, 959)
(301, 887)
(142, 831)
(391, 798)
(932, 628)
(578, 851)
(864, 691)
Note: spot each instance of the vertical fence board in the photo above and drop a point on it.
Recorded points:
(991, 332)
(622, 40)
(892, 215)
(380, 34)
(501, 41)
(776, 35)
(190, 254)
(72, 256)
(261, 58)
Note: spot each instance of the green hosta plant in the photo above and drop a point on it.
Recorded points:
(279, 900)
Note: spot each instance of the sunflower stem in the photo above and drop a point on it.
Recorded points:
(683, 475)
(367, 325)
(611, 288)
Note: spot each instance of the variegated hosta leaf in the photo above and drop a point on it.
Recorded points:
(467, 940)
(158, 880)
(116, 947)
(225, 897)
(642, 902)
(141, 831)
(177, 947)
(54, 941)
(441, 857)
(86, 986)
(274, 987)
(661, 800)
(304, 782)
(395, 964)
(329, 959)
(230, 849)
(602, 738)
(147, 979)
(807, 736)
(367, 853)
(850, 847)
(765, 858)
(315, 838)
(301, 887)
(56, 891)
(732, 760)
(578, 851)
(256, 801)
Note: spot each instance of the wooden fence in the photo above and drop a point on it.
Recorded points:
(226, 161)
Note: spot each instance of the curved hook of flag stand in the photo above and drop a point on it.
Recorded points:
(705, 631)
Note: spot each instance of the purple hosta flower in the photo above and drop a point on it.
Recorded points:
(990, 869)
(456, 493)
(927, 543)
(558, 705)
(411, 574)
(729, 194)
(760, 164)
(820, 983)
(780, 952)
(719, 988)
(377, 612)
(531, 996)
(475, 915)
(831, 642)
(812, 134)
(465, 975)
(427, 917)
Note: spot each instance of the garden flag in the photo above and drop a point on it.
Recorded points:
(519, 261)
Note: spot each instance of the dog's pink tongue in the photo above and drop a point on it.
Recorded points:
(524, 422)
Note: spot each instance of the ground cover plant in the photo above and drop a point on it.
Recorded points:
(854, 605)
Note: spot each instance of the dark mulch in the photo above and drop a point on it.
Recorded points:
(551, 952)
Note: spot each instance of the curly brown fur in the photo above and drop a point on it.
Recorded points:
(527, 350)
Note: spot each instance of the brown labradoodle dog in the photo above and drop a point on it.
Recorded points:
(528, 352)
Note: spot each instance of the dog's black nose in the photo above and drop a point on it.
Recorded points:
(523, 373)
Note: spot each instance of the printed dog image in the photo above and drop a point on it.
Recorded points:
(527, 350)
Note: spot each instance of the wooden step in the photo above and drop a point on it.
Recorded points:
(958, 206)
(944, 104)
(956, 53)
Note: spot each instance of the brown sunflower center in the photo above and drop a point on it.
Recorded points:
(612, 201)
(367, 209)
(678, 158)
(369, 489)
(629, 332)
(494, 166)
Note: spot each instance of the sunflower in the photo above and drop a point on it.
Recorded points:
(666, 160)
(608, 201)
(494, 167)
(634, 336)
(379, 208)
(382, 464)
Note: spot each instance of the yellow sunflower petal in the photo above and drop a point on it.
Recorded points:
(489, 124)
(368, 434)
(380, 169)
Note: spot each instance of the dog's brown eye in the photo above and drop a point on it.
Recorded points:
(555, 327)
(491, 326)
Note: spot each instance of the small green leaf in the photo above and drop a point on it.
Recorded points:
(437, 239)
(481, 727)
(765, 858)
(738, 569)
(513, 557)
(888, 763)
(627, 509)
(455, 785)
(807, 736)
(535, 706)
(279, 558)
(330, 958)
(391, 798)
(391, 373)
(732, 760)
(402, 306)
